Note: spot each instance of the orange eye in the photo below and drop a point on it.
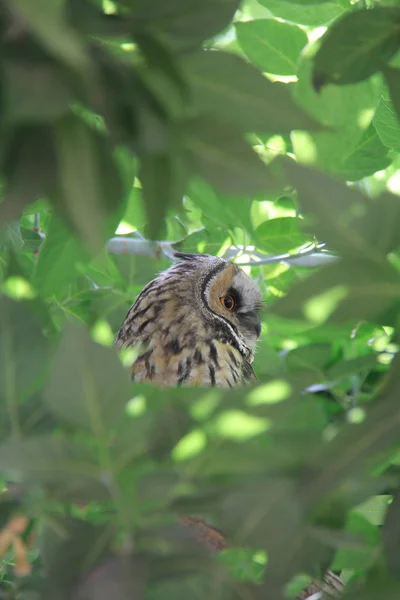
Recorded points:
(228, 301)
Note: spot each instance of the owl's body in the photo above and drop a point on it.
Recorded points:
(196, 324)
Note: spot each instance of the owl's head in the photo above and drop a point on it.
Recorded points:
(225, 295)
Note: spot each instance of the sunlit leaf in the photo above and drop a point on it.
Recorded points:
(387, 124)
(306, 14)
(273, 46)
(277, 236)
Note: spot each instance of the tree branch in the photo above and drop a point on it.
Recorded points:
(314, 256)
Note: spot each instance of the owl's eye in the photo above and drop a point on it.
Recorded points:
(228, 301)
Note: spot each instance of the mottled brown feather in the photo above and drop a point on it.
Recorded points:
(186, 335)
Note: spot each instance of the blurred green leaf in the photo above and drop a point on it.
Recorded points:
(232, 89)
(47, 23)
(184, 24)
(84, 400)
(218, 152)
(306, 2)
(392, 77)
(391, 536)
(67, 543)
(163, 178)
(10, 237)
(122, 576)
(29, 168)
(21, 369)
(273, 46)
(66, 470)
(356, 46)
(344, 292)
(347, 368)
(90, 185)
(341, 216)
(312, 356)
(34, 94)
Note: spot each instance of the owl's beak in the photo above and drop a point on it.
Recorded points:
(251, 322)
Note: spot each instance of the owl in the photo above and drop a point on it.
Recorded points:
(196, 324)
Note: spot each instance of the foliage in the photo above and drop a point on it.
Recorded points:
(240, 129)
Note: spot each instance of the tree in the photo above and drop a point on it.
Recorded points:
(268, 133)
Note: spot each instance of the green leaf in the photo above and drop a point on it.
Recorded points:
(34, 94)
(163, 178)
(89, 182)
(305, 2)
(356, 46)
(375, 508)
(78, 540)
(234, 90)
(392, 77)
(29, 168)
(345, 219)
(378, 432)
(312, 357)
(10, 237)
(316, 14)
(66, 470)
(366, 536)
(280, 235)
(369, 156)
(222, 210)
(271, 45)
(345, 111)
(346, 368)
(58, 260)
(344, 292)
(183, 24)
(135, 214)
(218, 152)
(387, 124)
(95, 397)
(203, 242)
(31, 239)
(47, 22)
(159, 58)
(21, 370)
(391, 535)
